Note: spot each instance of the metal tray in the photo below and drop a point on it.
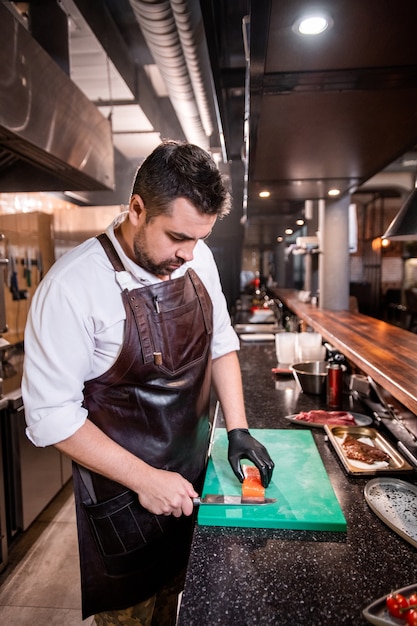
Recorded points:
(395, 502)
(395, 464)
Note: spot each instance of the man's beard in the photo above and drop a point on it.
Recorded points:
(143, 259)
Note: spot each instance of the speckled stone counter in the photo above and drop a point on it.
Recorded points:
(247, 577)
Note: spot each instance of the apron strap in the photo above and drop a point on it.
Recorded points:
(111, 252)
(140, 313)
(202, 298)
(130, 300)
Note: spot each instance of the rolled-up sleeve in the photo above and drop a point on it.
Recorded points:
(58, 348)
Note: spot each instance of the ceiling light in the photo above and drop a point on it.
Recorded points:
(289, 231)
(311, 25)
(264, 194)
(333, 192)
(300, 222)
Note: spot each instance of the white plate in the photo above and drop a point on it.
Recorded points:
(376, 613)
(258, 337)
(361, 420)
(394, 501)
(262, 316)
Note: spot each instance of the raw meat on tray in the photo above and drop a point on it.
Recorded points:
(319, 416)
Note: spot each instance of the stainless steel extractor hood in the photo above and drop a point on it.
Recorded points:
(404, 225)
(52, 138)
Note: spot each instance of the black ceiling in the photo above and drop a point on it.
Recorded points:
(325, 112)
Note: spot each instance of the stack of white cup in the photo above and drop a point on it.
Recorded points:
(285, 347)
(309, 347)
(299, 347)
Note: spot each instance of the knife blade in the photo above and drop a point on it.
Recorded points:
(212, 498)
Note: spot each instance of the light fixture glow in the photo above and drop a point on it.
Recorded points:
(376, 244)
(312, 25)
(264, 194)
(289, 231)
(333, 192)
(300, 222)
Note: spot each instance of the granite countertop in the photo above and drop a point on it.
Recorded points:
(277, 577)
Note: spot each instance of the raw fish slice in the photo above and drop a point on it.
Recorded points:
(252, 485)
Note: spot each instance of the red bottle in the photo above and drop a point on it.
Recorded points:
(334, 385)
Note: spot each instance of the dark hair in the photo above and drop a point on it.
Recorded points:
(181, 170)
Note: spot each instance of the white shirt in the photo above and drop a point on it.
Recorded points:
(75, 327)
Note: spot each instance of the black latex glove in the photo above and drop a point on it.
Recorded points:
(243, 446)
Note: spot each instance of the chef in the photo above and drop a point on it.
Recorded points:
(125, 337)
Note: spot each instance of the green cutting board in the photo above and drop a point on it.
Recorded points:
(304, 494)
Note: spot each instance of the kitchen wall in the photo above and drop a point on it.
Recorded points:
(375, 269)
(27, 243)
(37, 228)
(40, 227)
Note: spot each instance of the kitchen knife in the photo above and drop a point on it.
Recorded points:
(231, 500)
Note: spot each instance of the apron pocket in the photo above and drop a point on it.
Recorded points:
(191, 342)
(122, 529)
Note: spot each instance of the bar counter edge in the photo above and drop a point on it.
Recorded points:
(381, 350)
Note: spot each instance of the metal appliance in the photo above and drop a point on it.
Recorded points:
(52, 138)
(3, 522)
(389, 414)
(33, 476)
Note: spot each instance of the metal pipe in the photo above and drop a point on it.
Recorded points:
(171, 29)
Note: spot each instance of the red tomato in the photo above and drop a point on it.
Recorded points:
(397, 605)
(412, 617)
(412, 600)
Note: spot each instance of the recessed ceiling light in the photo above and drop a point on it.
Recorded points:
(333, 192)
(311, 25)
(300, 222)
(264, 194)
(289, 231)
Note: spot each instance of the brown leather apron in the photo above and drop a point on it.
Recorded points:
(154, 401)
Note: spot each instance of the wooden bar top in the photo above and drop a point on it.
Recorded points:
(383, 351)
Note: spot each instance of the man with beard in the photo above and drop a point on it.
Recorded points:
(125, 337)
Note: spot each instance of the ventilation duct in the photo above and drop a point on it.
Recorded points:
(52, 138)
(175, 36)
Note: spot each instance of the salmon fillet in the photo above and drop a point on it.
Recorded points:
(252, 485)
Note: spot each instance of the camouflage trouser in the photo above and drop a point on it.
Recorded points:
(159, 610)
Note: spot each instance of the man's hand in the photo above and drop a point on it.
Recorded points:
(159, 491)
(167, 493)
(243, 446)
